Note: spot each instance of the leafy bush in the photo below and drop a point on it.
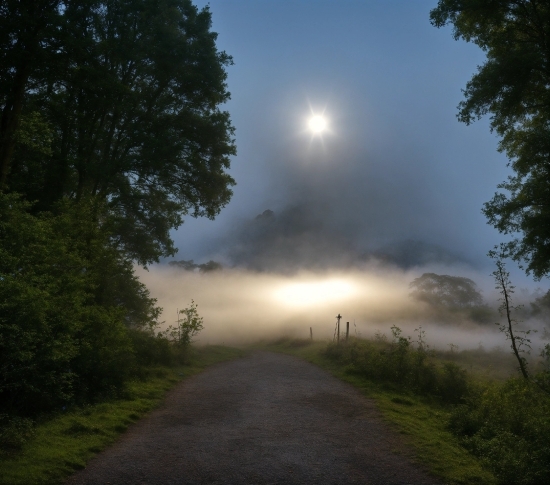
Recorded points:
(150, 349)
(68, 299)
(400, 364)
(508, 426)
(181, 336)
(14, 432)
(42, 292)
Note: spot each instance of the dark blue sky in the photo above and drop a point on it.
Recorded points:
(396, 166)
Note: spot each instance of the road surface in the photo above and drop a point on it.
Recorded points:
(263, 419)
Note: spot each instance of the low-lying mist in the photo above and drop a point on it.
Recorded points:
(241, 306)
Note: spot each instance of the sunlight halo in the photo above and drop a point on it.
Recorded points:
(314, 293)
(317, 124)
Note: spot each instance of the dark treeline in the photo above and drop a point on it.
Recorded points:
(110, 133)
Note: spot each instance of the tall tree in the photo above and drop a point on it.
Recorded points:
(29, 40)
(447, 291)
(513, 87)
(133, 112)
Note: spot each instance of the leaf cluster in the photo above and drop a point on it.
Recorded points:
(507, 426)
(117, 100)
(67, 301)
(513, 87)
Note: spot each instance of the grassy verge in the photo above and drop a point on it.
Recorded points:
(65, 443)
(422, 422)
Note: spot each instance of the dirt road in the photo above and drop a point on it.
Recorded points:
(264, 419)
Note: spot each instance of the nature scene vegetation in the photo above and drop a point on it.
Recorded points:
(508, 424)
(112, 131)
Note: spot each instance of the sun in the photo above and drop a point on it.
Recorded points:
(317, 124)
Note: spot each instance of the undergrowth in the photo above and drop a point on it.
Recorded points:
(49, 451)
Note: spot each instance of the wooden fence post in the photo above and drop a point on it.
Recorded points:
(347, 331)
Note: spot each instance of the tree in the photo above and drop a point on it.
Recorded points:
(513, 86)
(191, 266)
(454, 292)
(541, 307)
(29, 41)
(518, 338)
(67, 300)
(186, 327)
(132, 105)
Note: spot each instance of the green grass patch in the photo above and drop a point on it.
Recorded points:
(421, 421)
(63, 444)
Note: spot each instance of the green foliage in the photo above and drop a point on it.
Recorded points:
(111, 131)
(190, 325)
(14, 432)
(508, 426)
(399, 364)
(128, 114)
(67, 302)
(540, 309)
(512, 86)
(445, 290)
(181, 336)
(543, 377)
(150, 349)
(53, 449)
(42, 294)
(421, 422)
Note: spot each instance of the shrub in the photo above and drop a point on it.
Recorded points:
(399, 364)
(68, 298)
(14, 432)
(508, 425)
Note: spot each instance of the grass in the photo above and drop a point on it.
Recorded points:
(421, 421)
(63, 444)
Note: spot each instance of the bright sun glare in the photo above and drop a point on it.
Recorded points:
(317, 124)
(305, 294)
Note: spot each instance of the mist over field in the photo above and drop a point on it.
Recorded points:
(241, 305)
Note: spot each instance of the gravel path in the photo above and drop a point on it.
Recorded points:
(264, 419)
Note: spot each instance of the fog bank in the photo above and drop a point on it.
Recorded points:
(241, 306)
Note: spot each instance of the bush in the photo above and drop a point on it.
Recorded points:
(151, 350)
(508, 426)
(68, 299)
(14, 432)
(399, 364)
